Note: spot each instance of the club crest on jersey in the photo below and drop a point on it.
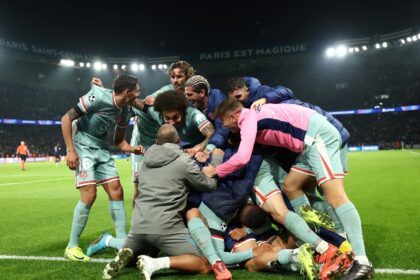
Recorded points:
(91, 98)
(258, 108)
(83, 174)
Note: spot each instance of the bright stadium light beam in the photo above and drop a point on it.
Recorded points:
(154, 67)
(414, 38)
(330, 52)
(134, 67)
(351, 50)
(88, 65)
(142, 67)
(377, 45)
(364, 48)
(408, 39)
(356, 49)
(341, 51)
(81, 64)
(97, 65)
(123, 67)
(115, 67)
(104, 66)
(385, 45)
(67, 62)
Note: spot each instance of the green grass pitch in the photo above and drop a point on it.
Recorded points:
(36, 208)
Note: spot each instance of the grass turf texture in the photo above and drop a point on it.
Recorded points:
(36, 208)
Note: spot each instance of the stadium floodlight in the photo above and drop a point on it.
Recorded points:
(351, 50)
(384, 44)
(356, 49)
(154, 67)
(134, 67)
(115, 67)
(330, 52)
(364, 48)
(67, 62)
(414, 38)
(408, 39)
(104, 66)
(123, 66)
(165, 66)
(160, 66)
(341, 51)
(81, 64)
(88, 65)
(142, 67)
(97, 65)
(377, 45)
(402, 41)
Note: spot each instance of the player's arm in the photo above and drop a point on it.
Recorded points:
(66, 120)
(122, 144)
(139, 104)
(207, 131)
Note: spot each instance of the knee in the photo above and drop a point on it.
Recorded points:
(193, 213)
(116, 193)
(336, 200)
(89, 198)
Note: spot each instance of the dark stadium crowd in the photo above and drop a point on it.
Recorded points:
(372, 80)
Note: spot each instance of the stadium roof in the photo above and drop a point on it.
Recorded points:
(155, 28)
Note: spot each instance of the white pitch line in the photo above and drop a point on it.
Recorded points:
(411, 152)
(35, 181)
(44, 258)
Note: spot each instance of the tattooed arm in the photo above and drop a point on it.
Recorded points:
(207, 131)
(66, 121)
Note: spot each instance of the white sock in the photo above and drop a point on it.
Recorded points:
(161, 263)
(322, 247)
(107, 240)
(294, 256)
(363, 260)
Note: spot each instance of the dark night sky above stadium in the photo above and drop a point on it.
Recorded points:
(156, 28)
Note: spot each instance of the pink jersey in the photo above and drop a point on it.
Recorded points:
(281, 125)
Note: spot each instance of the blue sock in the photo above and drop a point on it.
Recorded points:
(299, 201)
(117, 210)
(80, 217)
(350, 219)
(297, 226)
(284, 256)
(202, 237)
(116, 243)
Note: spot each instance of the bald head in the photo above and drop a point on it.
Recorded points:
(167, 134)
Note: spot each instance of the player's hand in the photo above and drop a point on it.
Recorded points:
(96, 82)
(149, 100)
(210, 171)
(202, 156)
(72, 160)
(218, 152)
(237, 233)
(192, 151)
(138, 150)
(258, 103)
(264, 247)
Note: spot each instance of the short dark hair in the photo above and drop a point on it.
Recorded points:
(252, 216)
(230, 104)
(172, 100)
(234, 84)
(123, 82)
(185, 67)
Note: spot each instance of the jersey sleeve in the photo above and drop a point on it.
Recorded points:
(243, 155)
(87, 101)
(199, 120)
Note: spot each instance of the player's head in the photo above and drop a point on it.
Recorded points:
(22, 142)
(180, 72)
(254, 218)
(229, 111)
(128, 86)
(172, 106)
(196, 89)
(237, 88)
(167, 134)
